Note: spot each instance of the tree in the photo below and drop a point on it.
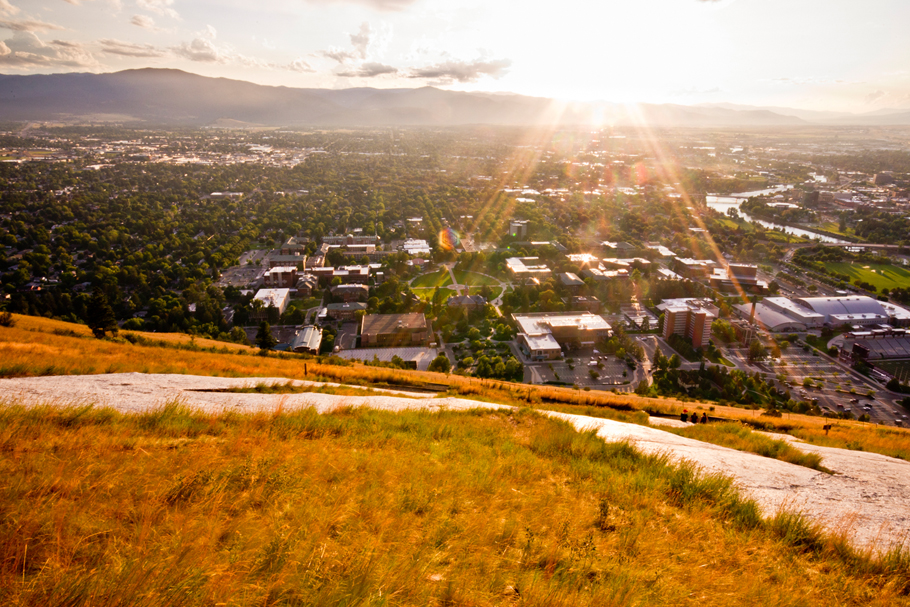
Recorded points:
(99, 315)
(674, 362)
(757, 351)
(264, 338)
(642, 388)
(440, 364)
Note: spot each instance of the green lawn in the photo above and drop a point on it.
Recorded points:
(473, 279)
(439, 278)
(476, 291)
(775, 236)
(880, 275)
(736, 223)
(834, 228)
(427, 293)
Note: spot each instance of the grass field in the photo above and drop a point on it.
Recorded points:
(439, 278)
(427, 293)
(881, 275)
(898, 368)
(361, 507)
(834, 228)
(473, 279)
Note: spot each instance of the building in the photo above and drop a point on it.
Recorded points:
(693, 268)
(600, 274)
(351, 292)
(541, 346)
(689, 317)
(662, 251)
(394, 330)
(584, 260)
(570, 329)
(294, 246)
(412, 247)
(270, 298)
(466, 302)
(345, 311)
(281, 277)
(307, 285)
(779, 315)
(582, 302)
(518, 228)
(738, 277)
(856, 310)
(283, 261)
(620, 249)
(307, 340)
(628, 263)
(527, 267)
(571, 281)
(351, 239)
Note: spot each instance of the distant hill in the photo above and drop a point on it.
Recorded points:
(173, 97)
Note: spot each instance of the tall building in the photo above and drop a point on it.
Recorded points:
(518, 228)
(690, 318)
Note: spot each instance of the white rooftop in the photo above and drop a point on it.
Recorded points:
(541, 341)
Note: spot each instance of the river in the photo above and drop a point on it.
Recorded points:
(722, 204)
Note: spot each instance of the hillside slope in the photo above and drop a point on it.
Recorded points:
(867, 499)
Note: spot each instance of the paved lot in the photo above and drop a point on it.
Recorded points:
(609, 370)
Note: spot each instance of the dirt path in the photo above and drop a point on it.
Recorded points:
(868, 498)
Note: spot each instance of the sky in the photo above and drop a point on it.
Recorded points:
(828, 55)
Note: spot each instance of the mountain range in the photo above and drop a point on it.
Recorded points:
(173, 97)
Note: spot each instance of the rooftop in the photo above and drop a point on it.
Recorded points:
(377, 324)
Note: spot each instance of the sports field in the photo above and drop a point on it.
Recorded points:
(883, 276)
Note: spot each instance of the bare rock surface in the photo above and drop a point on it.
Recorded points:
(868, 497)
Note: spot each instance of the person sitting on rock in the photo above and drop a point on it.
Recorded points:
(684, 416)
(704, 418)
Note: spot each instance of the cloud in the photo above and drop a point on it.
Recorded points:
(26, 50)
(300, 65)
(386, 6)
(461, 71)
(144, 21)
(336, 54)
(7, 8)
(361, 40)
(28, 25)
(159, 7)
(129, 49)
(368, 70)
(200, 49)
(874, 96)
(204, 50)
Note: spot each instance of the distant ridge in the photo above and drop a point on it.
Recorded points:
(173, 97)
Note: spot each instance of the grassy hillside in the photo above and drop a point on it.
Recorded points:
(39, 346)
(364, 507)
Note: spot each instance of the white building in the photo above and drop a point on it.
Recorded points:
(271, 298)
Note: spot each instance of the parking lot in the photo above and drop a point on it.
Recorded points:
(609, 371)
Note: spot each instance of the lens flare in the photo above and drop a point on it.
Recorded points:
(448, 239)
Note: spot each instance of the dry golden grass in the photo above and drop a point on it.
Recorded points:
(360, 507)
(38, 346)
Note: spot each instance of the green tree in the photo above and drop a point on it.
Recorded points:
(757, 351)
(642, 388)
(440, 364)
(264, 338)
(99, 315)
